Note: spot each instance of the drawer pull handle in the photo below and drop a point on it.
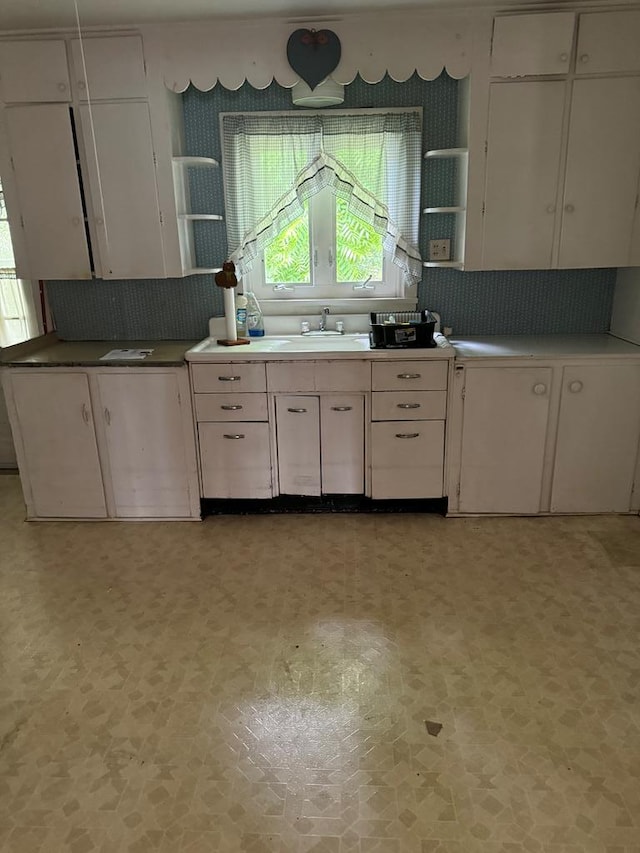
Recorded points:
(408, 405)
(85, 413)
(341, 408)
(539, 388)
(229, 378)
(230, 408)
(234, 437)
(107, 416)
(297, 411)
(409, 375)
(407, 434)
(576, 386)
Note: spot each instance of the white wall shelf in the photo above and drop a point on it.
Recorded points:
(438, 153)
(198, 162)
(202, 216)
(202, 271)
(456, 209)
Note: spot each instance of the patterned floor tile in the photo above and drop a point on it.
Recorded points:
(169, 687)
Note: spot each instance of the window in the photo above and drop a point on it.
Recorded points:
(325, 205)
(17, 307)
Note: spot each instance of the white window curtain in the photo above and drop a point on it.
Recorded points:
(274, 163)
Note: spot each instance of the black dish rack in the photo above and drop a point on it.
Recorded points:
(402, 329)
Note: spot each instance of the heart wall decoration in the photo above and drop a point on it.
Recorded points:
(313, 54)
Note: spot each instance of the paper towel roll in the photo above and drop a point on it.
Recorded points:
(230, 313)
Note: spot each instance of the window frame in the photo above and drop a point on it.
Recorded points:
(396, 295)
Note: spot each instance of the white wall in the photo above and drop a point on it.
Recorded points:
(625, 317)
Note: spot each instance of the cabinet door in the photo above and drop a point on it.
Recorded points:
(34, 72)
(124, 195)
(114, 68)
(523, 163)
(298, 436)
(603, 163)
(407, 459)
(608, 41)
(44, 160)
(504, 433)
(342, 444)
(235, 460)
(532, 44)
(58, 443)
(598, 435)
(145, 444)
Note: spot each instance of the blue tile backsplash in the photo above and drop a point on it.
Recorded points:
(480, 303)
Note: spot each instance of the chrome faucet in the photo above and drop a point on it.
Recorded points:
(323, 319)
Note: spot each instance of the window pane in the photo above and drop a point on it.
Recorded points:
(358, 247)
(6, 252)
(286, 258)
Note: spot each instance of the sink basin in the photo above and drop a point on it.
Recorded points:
(323, 343)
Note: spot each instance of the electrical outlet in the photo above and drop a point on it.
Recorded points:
(439, 250)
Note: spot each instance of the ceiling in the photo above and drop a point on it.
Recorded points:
(34, 14)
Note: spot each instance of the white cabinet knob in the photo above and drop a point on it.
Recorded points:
(551, 208)
(539, 388)
(62, 87)
(575, 386)
(563, 57)
(99, 220)
(584, 57)
(569, 208)
(82, 84)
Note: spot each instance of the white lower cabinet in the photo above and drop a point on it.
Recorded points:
(561, 437)
(235, 460)
(320, 442)
(96, 444)
(503, 439)
(407, 459)
(597, 443)
(56, 444)
(144, 431)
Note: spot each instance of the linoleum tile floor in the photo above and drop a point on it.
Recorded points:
(263, 684)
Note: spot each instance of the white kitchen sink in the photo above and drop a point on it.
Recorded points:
(285, 344)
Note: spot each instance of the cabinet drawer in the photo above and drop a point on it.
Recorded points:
(608, 42)
(532, 44)
(231, 407)
(235, 460)
(410, 375)
(223, 378)
(407, 460)
(332, 376)
(409, 405)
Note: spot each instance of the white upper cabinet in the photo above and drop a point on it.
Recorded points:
(34, 72)
(123, 206)
(532, 44)
(608, 42)
(603, 165)
(42, 150)
(109, 68)
(523, 167)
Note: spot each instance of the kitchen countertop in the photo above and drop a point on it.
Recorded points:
(88, 353)
(544, 346)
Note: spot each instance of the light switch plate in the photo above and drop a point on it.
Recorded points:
(439, 250)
